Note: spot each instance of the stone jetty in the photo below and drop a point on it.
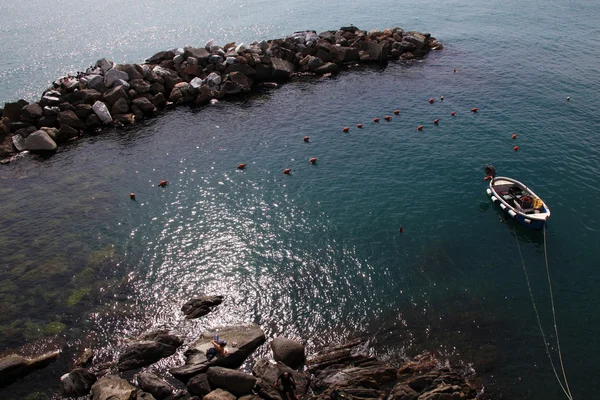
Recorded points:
(109, 94)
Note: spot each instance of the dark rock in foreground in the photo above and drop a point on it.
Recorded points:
(14, 367)
(154, 385)
(77, 383)
(148, 351)
(288, 351)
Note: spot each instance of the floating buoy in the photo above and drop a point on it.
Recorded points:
(313, 160)
(396, 112)
(387, 118)
(359, 126)
(568, 98)
(132, 196)
(420, 127)
(241, 166)
(453, 113)
(163, 183)
(474, 109)
(442, 98)
(375, 119)
(287, 171)
(306, 139)
(431, 100)
(401, 230)
(436, 121)
(345, 129)
(514, 136)
(454, 70)
(516, 148)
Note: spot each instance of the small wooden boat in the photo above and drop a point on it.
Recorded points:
(519, 202)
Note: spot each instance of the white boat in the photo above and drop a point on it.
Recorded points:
(519, 202)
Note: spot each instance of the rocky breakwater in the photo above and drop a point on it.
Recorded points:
(109, 94)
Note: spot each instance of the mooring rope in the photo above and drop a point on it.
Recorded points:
(566, 391)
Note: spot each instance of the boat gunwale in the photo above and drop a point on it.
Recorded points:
(538, 217)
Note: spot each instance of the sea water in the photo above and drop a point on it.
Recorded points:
(316, 255)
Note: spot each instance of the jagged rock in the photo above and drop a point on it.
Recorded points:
(6, 146)
(32, 111)
(149, 351)
(200, 54)
(288, 351)
(159, 100)
(246, 337)
(15, 126)
(375, 51)
(404, 46)
(90, 96)
(70, 118)
(14, 367)
(104, 65)
(213, 80)
(235, 382)
(83, 110)
(133, 71)
(96, 82)
(144, 105)
(122, 83)
(140, 86)
(200, 306)
(120, 107)
(328, 68)
(418, 39)
(196, 83)
(77, 383)
(52, 132)
(93, 121)
(156, 88)
(48, 100)
(403, 392)
(66, 106)
(12, 111)
(230, 87)
(241, 79)
(50, 111)
(114, 75)
(102, 112)
(113, 388)
(243, 68)
(19, 142)
(85, 358)
(268, 373)
(39, 141)
(154, 385)
(114, 94)
(66, 133)
(124, 119)
(171, 78)
(199, 385)
(282, 69)
(181, 91)
(219, 394)
(156, 58)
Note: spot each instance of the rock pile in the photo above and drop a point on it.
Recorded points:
(109, 93)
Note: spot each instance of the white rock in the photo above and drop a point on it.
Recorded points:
(213, 102)
(39, 140)
(192, 61)
(121, 82)
(240, 47)
(178, 59)
(180, 51)
(209, 44)
(215, 59)
(196, 83)
(104, 65)
(19, 142)
(213, 80)
(114, 75)
(230, 60)
(102, 112)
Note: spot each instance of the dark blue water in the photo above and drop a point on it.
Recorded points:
(317, 254)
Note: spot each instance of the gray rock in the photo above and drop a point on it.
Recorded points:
(230, 87)
(14, 367)
(192, 61)
(50, 111)
(288, 351)
(239, 67)
(181, 91)
(215, 59)
(122, 83)
(196, 83)
(213, 80)
(19, 142)
(12, 111)
(104, 65)
(26, 131)
(66, 106)
(314, 63)
(114, 94)
(241, 80)
(31, 111)
(375, 51)
(268, 373)
(77, 383)
(48, 100)
(199, 385)
(170, 77)
(133, 71)
(95, 81)
(39, 141)
(102, 112)
(219, 394)
(282, 69)
(113, 388)
(147, 352)
(114, 75)
(178, 59)
(235, 382)
(83, 110)
(246, 337)
(89, 96)
(156, 58)
(404, 46)
(120, 107)
(144, 105)
(140, 86)
(70, 118)
(66, 133)
(200, 306)
(154, 385)
(200, 54)
(330, 68)
(416, 38)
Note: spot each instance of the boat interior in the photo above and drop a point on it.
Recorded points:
(519, 198)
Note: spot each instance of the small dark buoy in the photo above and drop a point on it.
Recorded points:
(514, 135)
(436, 121)
(454, 70)
(241, 166)
(287, 171)
(132, 196)
(442, 98)
(313, 160)
(453, 113)
(396, 112)
(375, 119)
(359, 126)
(163, 183)
(306, 139)
(420, 127)
(345, 129)
(431, 100)
(387, 118)
(401, 230)
(474, 109)
(516, 148)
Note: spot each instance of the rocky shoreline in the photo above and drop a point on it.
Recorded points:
(345, 371)
(109, 94)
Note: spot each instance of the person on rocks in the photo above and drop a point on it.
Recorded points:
(219, 346)
(288, 385)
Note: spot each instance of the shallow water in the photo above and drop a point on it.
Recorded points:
(317, 254)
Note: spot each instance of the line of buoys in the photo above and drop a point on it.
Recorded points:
(306, 138)
(420, 127)
(359, 126)
(431, 100)
(163, 183)
(436, 121)
(516, 148)
(287, 171)
(474, 109)
(453, 113)
(375, 119)
(396, 112)
(313, 160)
(132, 196)
(345, 129)
(514, 135)
(241, 166)
(387, 118)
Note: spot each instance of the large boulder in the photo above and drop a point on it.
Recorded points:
(114, 75)
(199, 385)
(121, 106)
(144, 105)
(154, 385)
(199, 53)
(235, 382)
(241, 79)
(113, 388)
(170, 77)
(288, 351)
(133, 71)
(416, 38)
(89, 96)
(83, 110)
(375, 51)
(31, 112)
(219, 394)
(328, 68)
(12, 111)
(96, 82)
(14, 367)
(114, 94)
(268, 373)
(66, 133)
(39, 141)
(242, 341)
(69, 118)
(213, 80)
(140, 86)
(200, 306)
(147, 352)
(240, 67)
(104, 65)
(282, 69)
(77, 383)
(102, 112)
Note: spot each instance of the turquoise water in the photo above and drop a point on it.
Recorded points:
(317, 254)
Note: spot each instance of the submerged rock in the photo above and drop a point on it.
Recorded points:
(14, 367)
(200, 306)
